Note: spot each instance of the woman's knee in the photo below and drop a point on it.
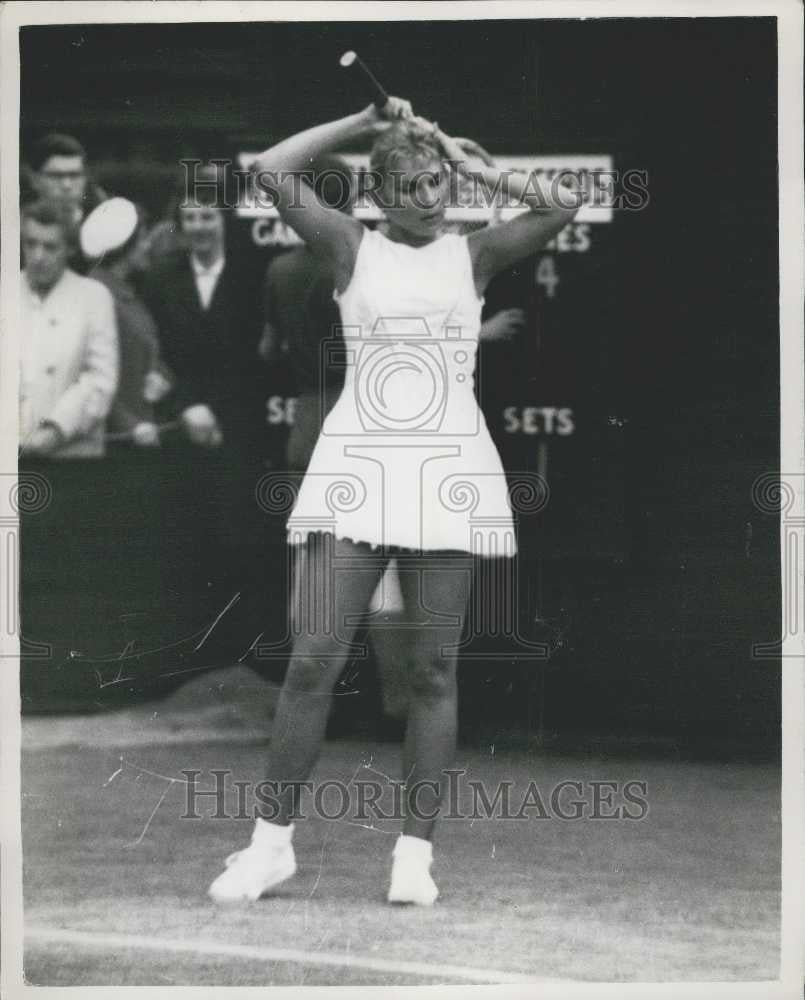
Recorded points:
(432, 676)
(315, 664)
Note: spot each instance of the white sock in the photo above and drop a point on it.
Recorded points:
(272, 833)
(414, 847)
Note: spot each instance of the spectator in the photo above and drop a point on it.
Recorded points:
(72, 586)
(69, 347)
(59, 173)
(207, 305)
(28, 184)
(113, 236)
(165, 237)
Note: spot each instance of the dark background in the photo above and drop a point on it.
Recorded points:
(650, 558)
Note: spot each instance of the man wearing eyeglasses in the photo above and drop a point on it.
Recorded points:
(59, 164)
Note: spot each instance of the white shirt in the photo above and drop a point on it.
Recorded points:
(206, 278)
(68, 361)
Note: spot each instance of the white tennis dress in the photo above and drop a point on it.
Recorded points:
(405, 458)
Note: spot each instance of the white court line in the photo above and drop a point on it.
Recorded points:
(94, 939)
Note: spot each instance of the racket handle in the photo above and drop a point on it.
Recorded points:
(372, 85)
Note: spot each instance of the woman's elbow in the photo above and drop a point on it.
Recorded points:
(265, 164)
(568, 197)
(267, 176)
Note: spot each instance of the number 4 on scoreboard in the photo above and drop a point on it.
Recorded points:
(545, 275)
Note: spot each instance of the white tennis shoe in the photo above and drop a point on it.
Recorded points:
(411, 881)
(267, 862)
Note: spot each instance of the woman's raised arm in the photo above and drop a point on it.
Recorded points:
(285, 173)
(552, 206)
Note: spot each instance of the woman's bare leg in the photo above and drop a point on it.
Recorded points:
(326, 594)
(438, 585)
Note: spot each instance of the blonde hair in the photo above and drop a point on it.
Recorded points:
(403, 141)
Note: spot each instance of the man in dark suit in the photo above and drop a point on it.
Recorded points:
(208, 306)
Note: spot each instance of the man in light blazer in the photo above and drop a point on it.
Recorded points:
(68, 377)
(69, 344)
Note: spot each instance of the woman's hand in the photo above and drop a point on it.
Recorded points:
(473, 148)
(460, 150)
(451, 149)
(395, 109)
